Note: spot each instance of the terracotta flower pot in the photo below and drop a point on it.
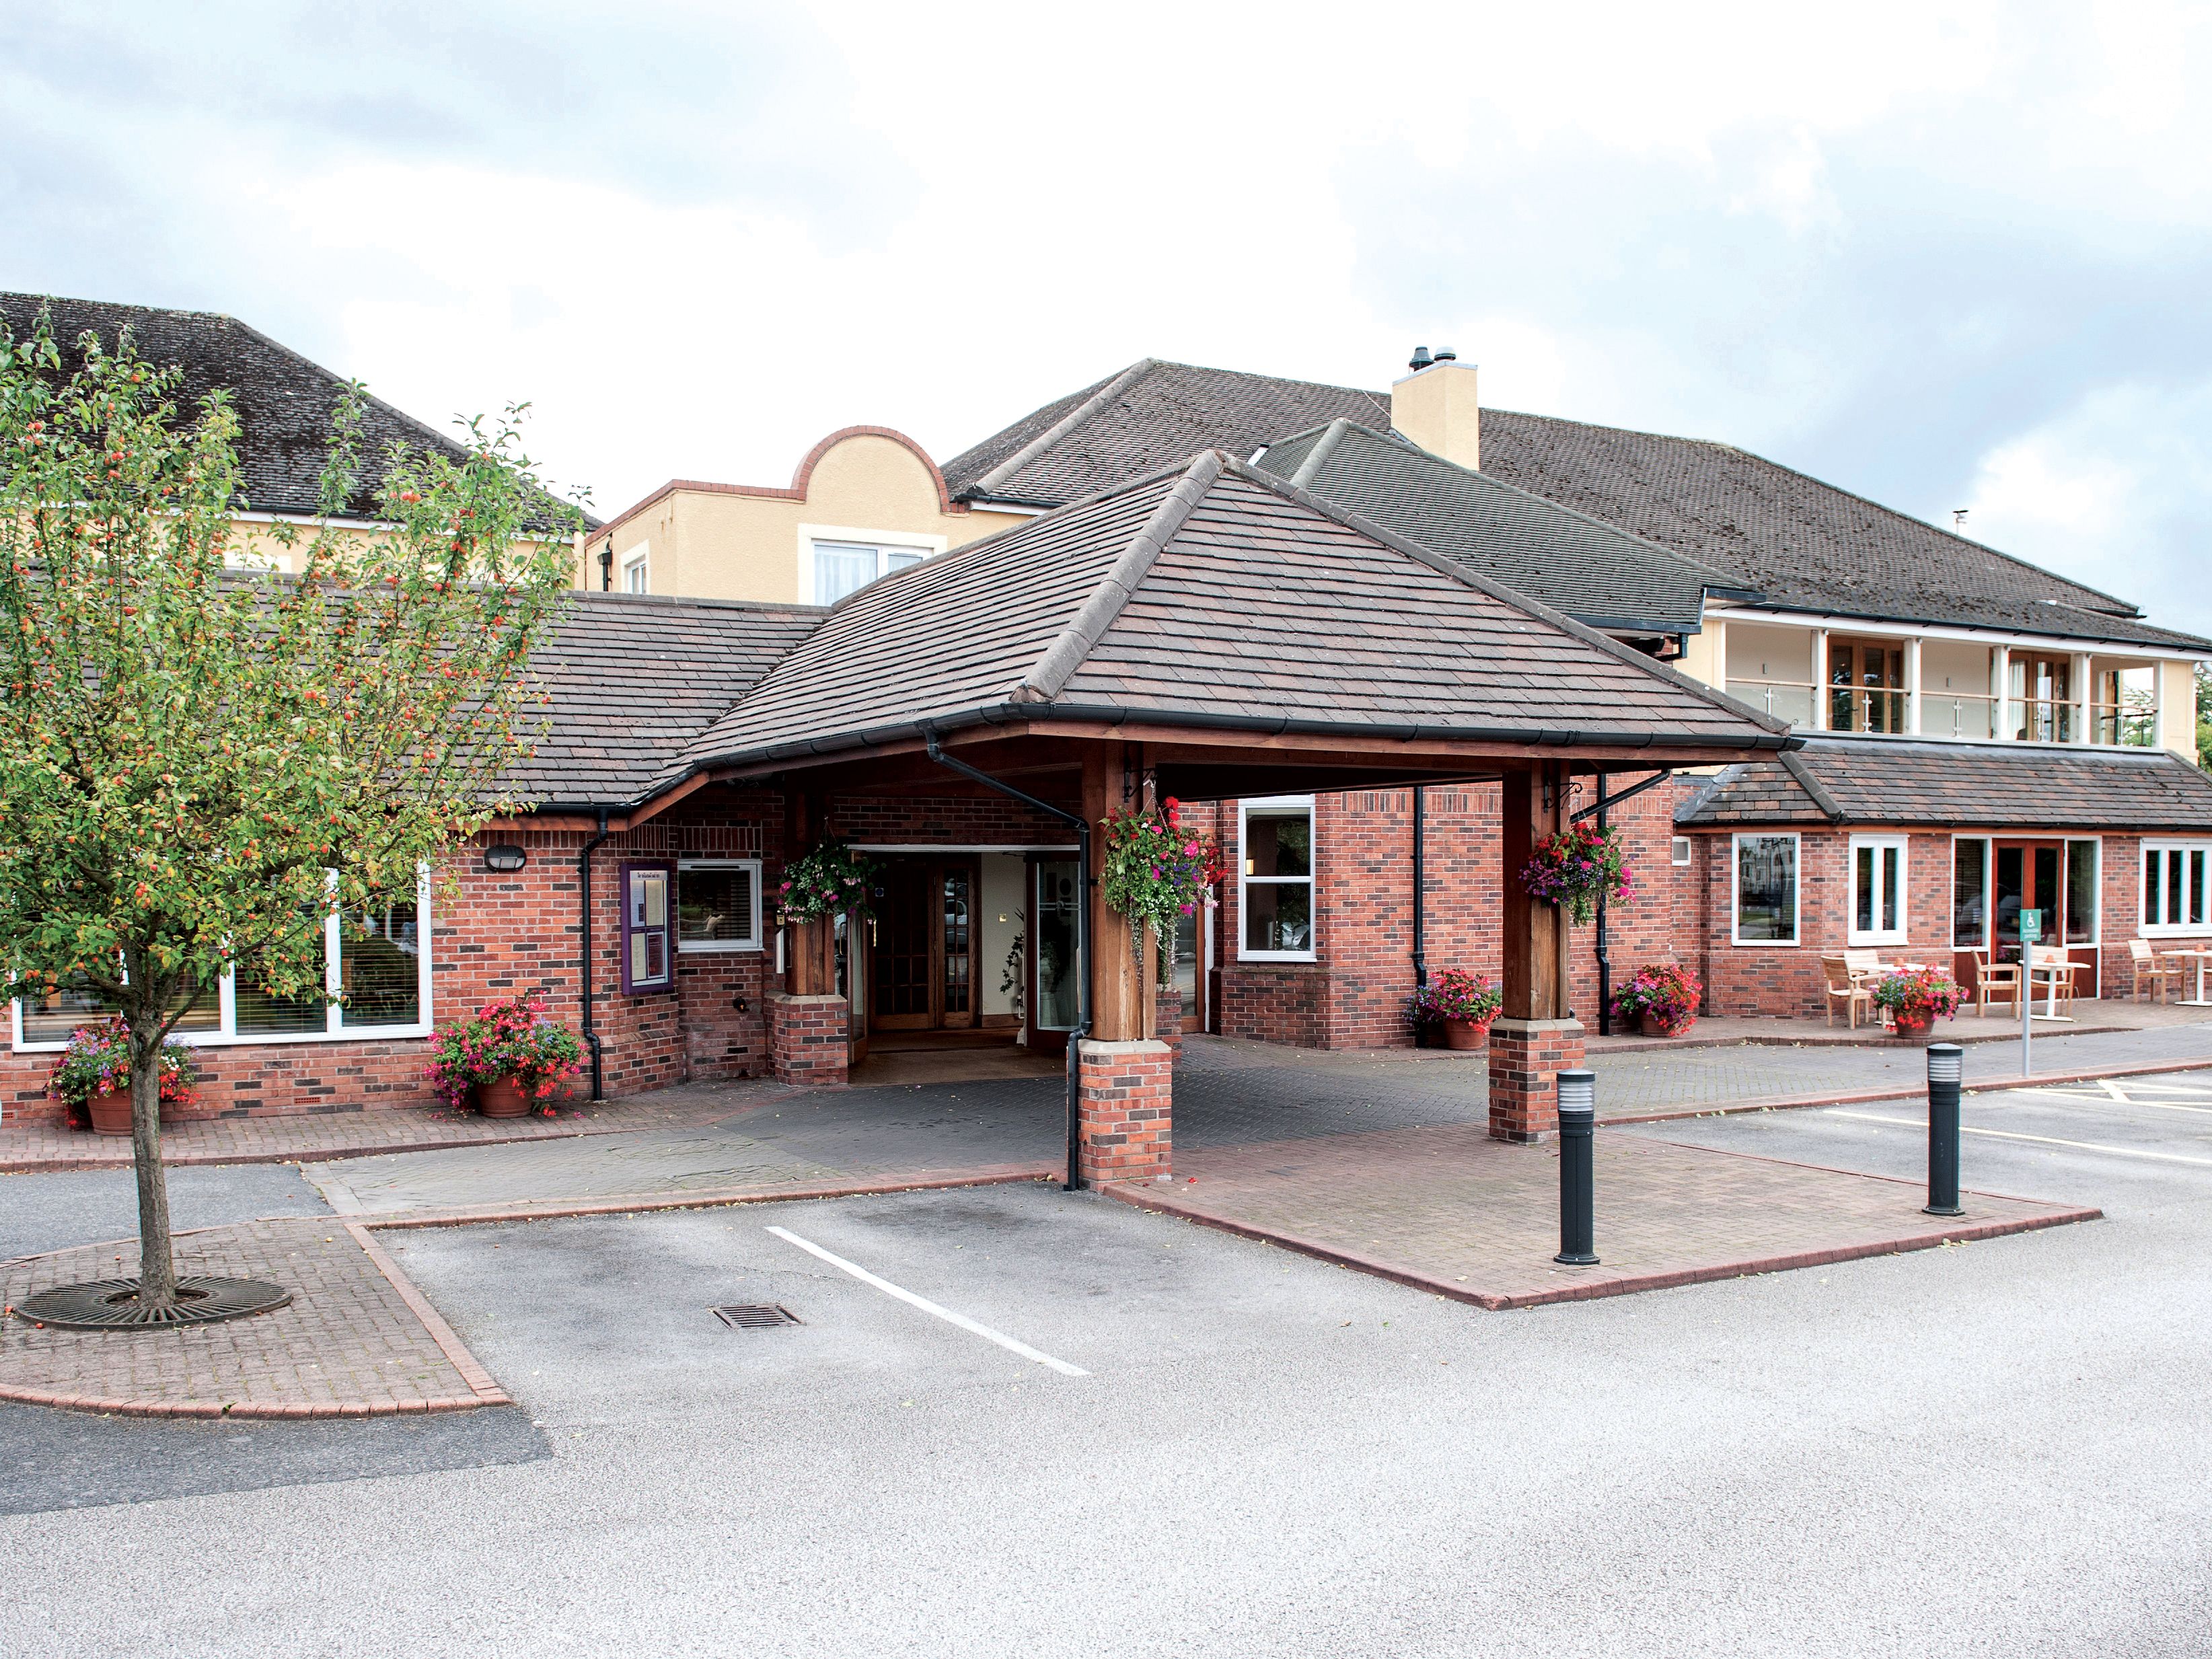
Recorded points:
(1467, 1034)
(1911, 1023)
(1656, 1025)
(501, 1097)
(110, 1110)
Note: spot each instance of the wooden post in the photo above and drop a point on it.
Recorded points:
(812, 970)
(1535, 1037)
(1118, 1013)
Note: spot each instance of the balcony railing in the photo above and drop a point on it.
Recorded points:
(1956, 714)
(1865, 708)
(2044, 720)
(2123, 726)
(1784, 700)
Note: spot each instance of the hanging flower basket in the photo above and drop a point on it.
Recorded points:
(1574, 867)
(832, 880)
(1665, 996)
(1157, 869)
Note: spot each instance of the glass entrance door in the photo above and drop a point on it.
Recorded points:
(1054, 1001)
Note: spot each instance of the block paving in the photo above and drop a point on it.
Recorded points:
(357, 1340)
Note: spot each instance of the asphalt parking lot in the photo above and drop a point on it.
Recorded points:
(1993, 1448)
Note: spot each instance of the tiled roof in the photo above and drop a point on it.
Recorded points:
(283, 401)
(1976, 785)
(1595, 572)
(1150, 415)
(1223, 595)
(631, 679)
(1805, 545)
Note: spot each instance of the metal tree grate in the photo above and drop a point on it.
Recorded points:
(111, 1304)
(755, 1315)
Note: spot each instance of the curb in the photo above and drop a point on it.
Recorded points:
(1791, 1103)
(1414, 1279)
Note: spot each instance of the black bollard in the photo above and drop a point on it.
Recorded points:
(1577, 1184)
(1944, 1067)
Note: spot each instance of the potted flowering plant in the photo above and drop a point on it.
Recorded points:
(1464, 1003)
(1573, 867)
(1157, 868)
(1664, 997)
(826, 882)
(1915, 996)
(92, 1077)
(509, 1057)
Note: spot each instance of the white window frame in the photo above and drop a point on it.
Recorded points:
(1678, 853)
(703, 947)
(2096, 939)
(334, 1030)
(2161, 847)
(1989, 890)
(1311, 879)
(1797, 890)
(637, 572)
(1896, 847)
(846, 536)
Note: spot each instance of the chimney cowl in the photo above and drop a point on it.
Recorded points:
(1446, 355)
(1420, 359)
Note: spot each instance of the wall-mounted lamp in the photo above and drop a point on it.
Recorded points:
(505, 858)
(607, 566)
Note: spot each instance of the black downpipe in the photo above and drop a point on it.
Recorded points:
(584, 878)
(1420, 900)
(1081, 827)
(1604, 962)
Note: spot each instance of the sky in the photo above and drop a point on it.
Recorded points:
(1946, 256)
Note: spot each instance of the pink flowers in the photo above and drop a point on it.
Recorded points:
(1574, 867)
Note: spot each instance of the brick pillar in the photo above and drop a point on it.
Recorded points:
(1526, 1058)
(1167, 1019)
(1537, 1035)
(1125, 1116)
(808, 1038)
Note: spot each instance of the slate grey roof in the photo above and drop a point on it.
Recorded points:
(283, 400)
(1151, 414)
(1595, 572)
(632, 680)
(1220, 594)
(1973, 785)
(1805, 545)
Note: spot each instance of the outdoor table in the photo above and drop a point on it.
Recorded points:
(2053, 970)
(2200, 1001)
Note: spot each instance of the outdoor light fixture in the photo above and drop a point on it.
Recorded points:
(607, 565)
(505, 858)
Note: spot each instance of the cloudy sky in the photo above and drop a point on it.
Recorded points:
(1945, 255)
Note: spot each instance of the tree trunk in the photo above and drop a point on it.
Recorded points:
(157, 1272)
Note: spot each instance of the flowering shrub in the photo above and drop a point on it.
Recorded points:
(98, 1058)
(1574, 866)
(1155, 869)
(1667, 992)
(1911, 991)
(831, 878)
(512, 1039)
(1455, 993)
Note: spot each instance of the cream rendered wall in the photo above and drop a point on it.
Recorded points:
(1763, 652)
(730, 543)
(2177, 707)
(999, 918)
(1704, 653)
(1956, 665)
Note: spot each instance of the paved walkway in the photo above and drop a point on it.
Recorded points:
(1453, 1212)
(357, 1340)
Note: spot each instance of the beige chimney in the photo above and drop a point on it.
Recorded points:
(1435, 407)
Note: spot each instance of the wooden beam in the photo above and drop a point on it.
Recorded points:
(1535, 806)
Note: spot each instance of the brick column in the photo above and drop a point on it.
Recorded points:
(1526, 1058)
(1167, 1019)
(1125, 1116)
(808, 1038)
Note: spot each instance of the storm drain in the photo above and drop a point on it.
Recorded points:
(755, 1315)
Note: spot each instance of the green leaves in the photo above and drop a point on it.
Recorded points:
(201, 720)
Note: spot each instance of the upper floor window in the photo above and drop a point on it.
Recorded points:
(843, 568)
(2042, 703)
(634, 574)
(1275, 883)
(1866, 686)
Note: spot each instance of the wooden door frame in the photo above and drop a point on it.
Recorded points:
(932, 867)
(2089, 956)
(1038, 1039)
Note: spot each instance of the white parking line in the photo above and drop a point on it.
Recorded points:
(2112, 1099)
(2044, 1141)
(928, 1307)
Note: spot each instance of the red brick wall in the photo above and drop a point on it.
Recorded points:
(809, 1038)
(1124, 1111)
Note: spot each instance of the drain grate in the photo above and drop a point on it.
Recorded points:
(757, 1315)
